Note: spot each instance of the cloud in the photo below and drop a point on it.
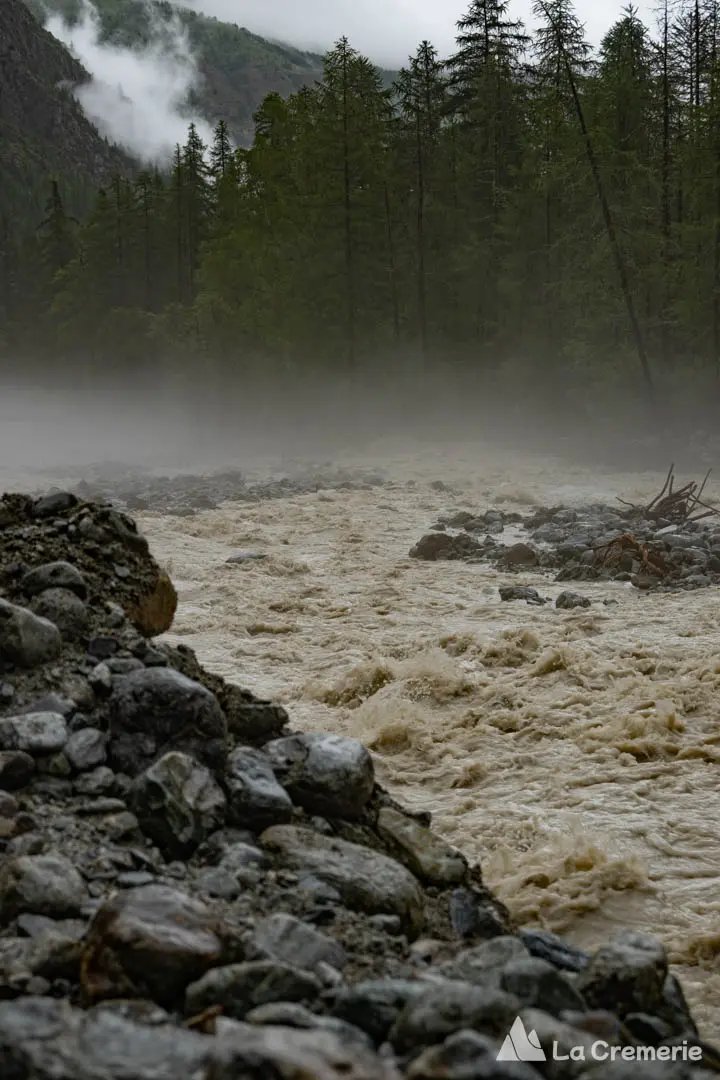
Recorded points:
(388, 31)
(137, 97)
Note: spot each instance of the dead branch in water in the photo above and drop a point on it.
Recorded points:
(615, 551)
(676, 506)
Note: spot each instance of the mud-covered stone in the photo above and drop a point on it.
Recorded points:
(151, 941)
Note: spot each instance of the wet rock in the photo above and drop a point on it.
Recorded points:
(291, 1014)
(626, 975)
(170, 712)
(375, 1004)
(34, 733)
(325, 774)
(520, 555)
(86, 749)
(64, 610)
(484, 964)
(569, 600)
(55, 575)
(16, 769)
(151, 941)
(48, 1040)
(557, 952)
(262, 1052)
(476, 913)
(238, 988)
(517, 592)
(450, 1007)
(366, 880)
(255, 797)
(467, 1055)
(27, 639)
(178, 804)
(538, 984)
(40, 885)
(438, 545)
(428, 856)
(98, 781)
(283, 937)
(58, 502)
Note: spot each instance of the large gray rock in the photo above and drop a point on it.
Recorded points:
(484, 964)
(86, 749)
(152, 941)
(27, 639)
(157, 710)
(36, 733)
(238, 988)
(283, 937)
(375, 1004)
(366, 880)
(626, 975)
(264, 1052)
(65, 610)
(46, 1039)
(255, 798)
(537, 983)
(178, 803)
(325, 774)
(428, 856)
(40, 885)
(448, 1008)
(55, 575)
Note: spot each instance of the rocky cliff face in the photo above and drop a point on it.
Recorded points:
(43, 131)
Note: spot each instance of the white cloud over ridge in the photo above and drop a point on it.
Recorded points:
(136, 97)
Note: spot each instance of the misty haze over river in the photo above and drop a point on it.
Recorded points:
(573, 753)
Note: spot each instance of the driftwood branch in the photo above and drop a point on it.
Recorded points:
(676, 505)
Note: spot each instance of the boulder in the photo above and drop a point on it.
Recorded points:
(151, 941)
(255, 798)
(35, 733)
(238, 988)
(366, 880)
(157, 710)
(428, 856)
(27, 639)
(40, 885)
(178, 804)
(325, 774)
(55, 575)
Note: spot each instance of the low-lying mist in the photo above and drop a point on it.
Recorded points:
(204, 423)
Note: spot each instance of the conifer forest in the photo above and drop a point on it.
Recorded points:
(530, 201)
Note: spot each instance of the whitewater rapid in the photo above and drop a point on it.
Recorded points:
(574, 754)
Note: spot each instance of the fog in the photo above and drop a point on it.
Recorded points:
(137, 96)
(197, 425)
(387, 31)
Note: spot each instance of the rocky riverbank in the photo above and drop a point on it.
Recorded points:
(189, 889)
(592, 543)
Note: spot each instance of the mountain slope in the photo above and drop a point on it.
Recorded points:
(43, 131)
(237, 68)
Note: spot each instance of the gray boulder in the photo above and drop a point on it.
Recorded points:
(35, 733)
(157, 710)
(65, 610)
(40, 885)
(325, 774)
(178, 804)
(238, 988)
(86, 749)
(55, 575)
(255, 798)
(27, 639)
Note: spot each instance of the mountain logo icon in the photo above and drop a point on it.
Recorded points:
(521, 1046)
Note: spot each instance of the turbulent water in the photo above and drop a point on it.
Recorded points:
(575, 754)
